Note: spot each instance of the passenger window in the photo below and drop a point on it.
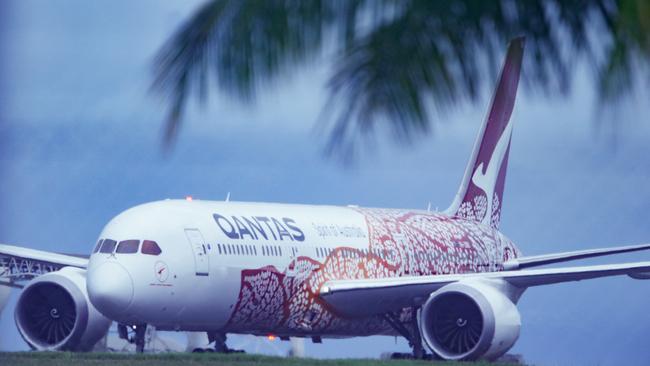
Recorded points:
(108, 246)
(99, 244)
(150, 247)
(128, 246)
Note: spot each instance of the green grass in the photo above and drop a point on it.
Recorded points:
(191, 359)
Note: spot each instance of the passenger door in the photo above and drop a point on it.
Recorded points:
(201, 259)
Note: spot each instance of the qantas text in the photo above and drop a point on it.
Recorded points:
(259, 227)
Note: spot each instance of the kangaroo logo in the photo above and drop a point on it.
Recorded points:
(161, 271)
(485, 179)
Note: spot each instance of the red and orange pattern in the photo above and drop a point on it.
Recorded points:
(400, 243)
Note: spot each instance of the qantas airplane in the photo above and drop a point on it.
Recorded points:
(448, 282)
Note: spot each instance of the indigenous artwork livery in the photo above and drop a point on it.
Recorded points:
(447, 281)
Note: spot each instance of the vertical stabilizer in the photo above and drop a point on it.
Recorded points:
(480, 196)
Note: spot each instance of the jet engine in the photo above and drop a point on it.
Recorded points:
(469, 321)
(53, 313)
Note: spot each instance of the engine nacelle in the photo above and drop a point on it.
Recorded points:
(469, 320)
(53, 313)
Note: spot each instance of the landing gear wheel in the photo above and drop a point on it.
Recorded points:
(219, 340)
(220, 346)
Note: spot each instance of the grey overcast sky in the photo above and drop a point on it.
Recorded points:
(80, 142)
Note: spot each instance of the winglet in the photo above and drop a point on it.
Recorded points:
(481, 193)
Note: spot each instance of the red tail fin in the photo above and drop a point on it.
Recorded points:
(481, 194)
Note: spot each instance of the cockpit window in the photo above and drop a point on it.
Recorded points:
(108, 246)
(150, 247)
(128, 246)
(99, 244)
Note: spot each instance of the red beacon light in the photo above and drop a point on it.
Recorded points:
(270, 337)
(188, 198)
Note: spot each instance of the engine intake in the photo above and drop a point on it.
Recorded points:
(53, 313)
(468, 321)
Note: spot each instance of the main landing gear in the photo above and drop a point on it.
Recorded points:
(409, 331)
(220, 346)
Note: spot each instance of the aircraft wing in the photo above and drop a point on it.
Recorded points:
(20, 263)
(381, 295)
(544, 259)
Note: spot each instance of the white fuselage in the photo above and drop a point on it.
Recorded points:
(257, 268)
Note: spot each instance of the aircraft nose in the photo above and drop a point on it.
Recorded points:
(110, 288)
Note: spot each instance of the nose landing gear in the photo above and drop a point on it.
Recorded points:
(137, 335)
(140, 331)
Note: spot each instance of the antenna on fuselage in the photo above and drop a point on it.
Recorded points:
(429, 207)
(228, 197)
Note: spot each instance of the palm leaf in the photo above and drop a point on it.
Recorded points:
(395, 62)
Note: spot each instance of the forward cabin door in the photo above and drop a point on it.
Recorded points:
(201, 259)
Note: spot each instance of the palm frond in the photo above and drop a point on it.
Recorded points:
(396, 60)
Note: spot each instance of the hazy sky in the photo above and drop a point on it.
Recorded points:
(80, 142)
